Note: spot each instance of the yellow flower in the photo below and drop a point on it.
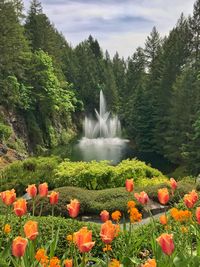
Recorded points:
(184, 229)
(41, 257)
(135, 216)
(149, 263)
(69, 238)
(116, 215)
(107, 248)
(7, 229)
(54, 262)
(131, 204)
(114, 263)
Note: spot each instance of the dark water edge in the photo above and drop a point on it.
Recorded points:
(153, 159)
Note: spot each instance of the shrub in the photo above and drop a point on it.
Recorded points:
(100, 175)
(89, 175)
(5, 131)
(32, 170)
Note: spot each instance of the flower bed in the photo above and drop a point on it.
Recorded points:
(28, 241)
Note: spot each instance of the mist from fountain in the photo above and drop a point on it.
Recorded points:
(101, 139)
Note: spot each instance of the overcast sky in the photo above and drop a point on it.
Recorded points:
(118, 25)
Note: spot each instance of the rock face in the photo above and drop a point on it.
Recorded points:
(18, 138)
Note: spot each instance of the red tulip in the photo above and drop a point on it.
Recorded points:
(163, 219)
(68, 263)
(191, 199)
(8, 197)
(173, 184)
(166, 242)
(43, 189)
(108, 232)
(20, 207)
(32, 190)
(104, 215)
(19, 246)
(198, 215)
(53, 198)
(142, 197)
(163, 196)
(83, 240)
(73, 208)
(129, 185)
(31, 230)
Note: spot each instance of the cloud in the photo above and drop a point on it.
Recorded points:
(117, 24)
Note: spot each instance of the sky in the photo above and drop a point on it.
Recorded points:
(118, 25)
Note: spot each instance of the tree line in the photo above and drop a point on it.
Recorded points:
(156, 91)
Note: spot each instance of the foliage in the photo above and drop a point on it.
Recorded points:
(5, 131)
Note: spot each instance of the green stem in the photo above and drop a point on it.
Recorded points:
(33, 207)
(53, 220)
(83, 260)
(107, 256)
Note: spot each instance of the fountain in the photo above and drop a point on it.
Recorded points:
(101, 139)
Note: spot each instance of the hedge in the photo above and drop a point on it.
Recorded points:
(89, 175)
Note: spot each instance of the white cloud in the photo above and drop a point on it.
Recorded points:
(120, 25)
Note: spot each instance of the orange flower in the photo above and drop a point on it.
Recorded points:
(53, 198)
(73, 208)
(114, 263)
(41, 257)
(32, 190)
(135, 215)
(31, 230)
(20, 207)
(198, 215)
(43, 189)
(163, 219)
(191, 199)
(54, 262)
(104, 215)
(8, 197)
(142, 197)
(108, 232)
(7, 229)
(19, 246)
(149, 263)
(129, 185)
(180, 215)
(166, 242)
(184, 229)
(116, 215)
(68, 263)
(163, 196)
(107, 248)
(131, 204)
(69, 238)
(83, 240)
(173, 184)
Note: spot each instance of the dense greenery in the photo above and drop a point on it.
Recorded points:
(91, 175)
(155, 92)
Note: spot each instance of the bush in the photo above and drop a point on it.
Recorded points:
(5, 132)
(100, 175)
(89, 175)
(32, 170)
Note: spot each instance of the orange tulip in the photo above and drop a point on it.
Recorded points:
(53, 198)
(142, 197)
(19, 246)
(166, 242)
(83, 240)
(73, 208)
(43, 189)
(198, 215)
(163, 219)
(20, 207)
(149, 263)
(173, 184)
(68, 263)
(8, 197)
(31, 230)
(129, 185)
(104, 215)
(108, 232)
(163, 196)
(191, 199)
(32, 190)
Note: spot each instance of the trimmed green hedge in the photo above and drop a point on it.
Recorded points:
(100, 175)
(89, 175)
